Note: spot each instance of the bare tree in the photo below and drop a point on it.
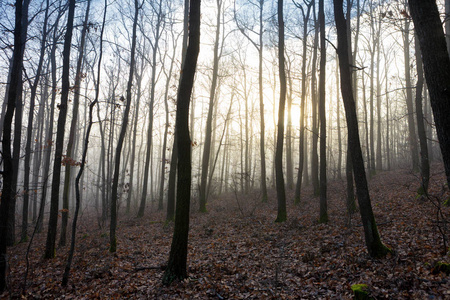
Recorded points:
(69, 161)
(8, 193)
(373, 242)
(176, 268)
(155, 43)
(305, 16)
(212, 102)
(323, 218)
(27, 163)
(123, 130)
(436, 61)
(281, 193)
(59, 143)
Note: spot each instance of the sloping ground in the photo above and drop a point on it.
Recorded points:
(236, 251)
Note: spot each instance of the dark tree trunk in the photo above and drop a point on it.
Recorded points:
(436, 63)
(123, 130)
(73, 129)
(424, 162)
(261, 106)
(174, 156)
(8, 193)
(27, 164)
(150, 116)
(17, 131)
(176, 268)
(281, 193)
(301, 163)
(409, 101)
(85, 149)
(323, 218)
(208, 131)
(373, 242)
(59, 145)
(315, 132)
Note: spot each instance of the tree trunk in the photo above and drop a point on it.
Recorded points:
(323, 218)
(281, 193)
(374, 245)
(436, 63)
(302, 151)
(59, 144)
(261, 106)
(73, 128)
(84, 155)
(123, 130)
(315, 131)
(208, 130)
(176, 268)
(424, 162)
(409, 101)
(150, 116)
(8, 193)
(27, 164)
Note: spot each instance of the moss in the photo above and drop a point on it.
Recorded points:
(447, 202)
(420, 192)
(361, 292)
(380, 251)
(441, 267)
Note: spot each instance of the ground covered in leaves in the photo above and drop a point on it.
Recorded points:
(236, 251)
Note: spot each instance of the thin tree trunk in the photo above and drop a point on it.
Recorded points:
(174, 156)
(208, 130)
(424, 162)
(373, 242)
(323, 218)
(176, 268)
(150, 119)
(412, 139)
(27, 164)
(302, 147)
(8, 193)
(281, 193)
(84, 155)
(115, 183)
(54, 198)
(436, 63)
(314, 102)
(69, 160)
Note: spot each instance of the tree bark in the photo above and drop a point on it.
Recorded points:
(208, 130)
(373, 242)
(315, 130)
(59, 143)
(424, 162)
(73, 129)
(302, 151)
(123, 130)
(27, 164)
(281, 193)
(409, 101)
(176, 268)
(323, 218)
(84, 155)
(8, 193)
(436, 63)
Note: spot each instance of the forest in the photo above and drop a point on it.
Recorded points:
(225, 149)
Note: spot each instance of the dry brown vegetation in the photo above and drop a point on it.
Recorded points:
(238, 252)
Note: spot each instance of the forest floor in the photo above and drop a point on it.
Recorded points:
(237, 251)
